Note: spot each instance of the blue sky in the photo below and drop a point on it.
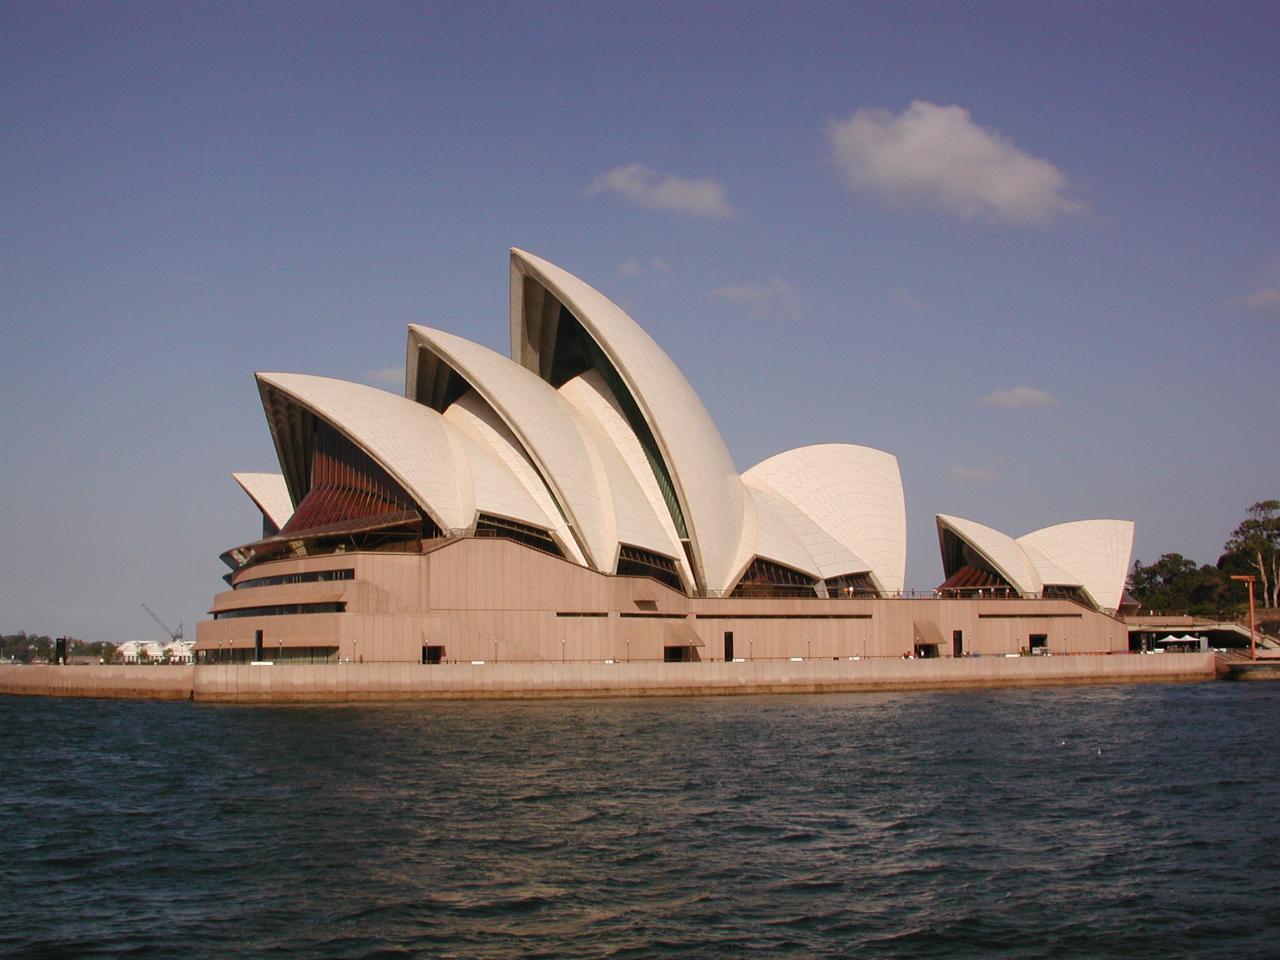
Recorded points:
(1033, 250)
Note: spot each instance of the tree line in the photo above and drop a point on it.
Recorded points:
(1174, 584)
(34, 648)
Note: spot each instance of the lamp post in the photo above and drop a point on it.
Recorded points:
(1248, 580)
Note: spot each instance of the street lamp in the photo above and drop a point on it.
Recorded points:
(1248, 579)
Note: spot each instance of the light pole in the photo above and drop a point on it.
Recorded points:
(1248, 579)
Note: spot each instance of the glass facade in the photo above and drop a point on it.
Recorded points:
(764, 578)
(310, 576)
(636, 562)
(281, 610)
(489, 526)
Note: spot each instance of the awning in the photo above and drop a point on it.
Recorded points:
(678, 633)
(926, 631)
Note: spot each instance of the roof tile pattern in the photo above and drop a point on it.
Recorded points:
(1095, 552)
(854, 494)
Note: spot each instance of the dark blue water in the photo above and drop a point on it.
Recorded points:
(1104, 822)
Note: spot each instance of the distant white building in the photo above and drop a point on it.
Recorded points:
(135, 651)
(179, 651)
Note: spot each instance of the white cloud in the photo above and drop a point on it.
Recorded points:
(634, 268)
(1018, 397)
(387, 377)
(908, 299)
(937, 154)
(776, 298)
(1264, 300)
(972, 475)
(646, 187)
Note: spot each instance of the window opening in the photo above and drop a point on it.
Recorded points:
(523, 533)
(764, 578)
(636, 562)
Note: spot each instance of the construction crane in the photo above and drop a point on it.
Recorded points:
(174, 635)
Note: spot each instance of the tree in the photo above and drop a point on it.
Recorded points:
(1254, 546)
(1174, 584)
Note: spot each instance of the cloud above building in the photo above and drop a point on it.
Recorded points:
(777, 298)
(962, 474)
(937, 155)
(1016, 397)
(1264, 300)
(646, 187)
(634, 268)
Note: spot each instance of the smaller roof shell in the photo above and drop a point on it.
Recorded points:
(1096, 553)
(1090, 554)
(998, 549)
(270, 493)
(854, 495)
(450, 474)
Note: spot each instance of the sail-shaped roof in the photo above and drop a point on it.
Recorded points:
(1092, 555)
(545, 425)
(689, 449)
(852, 493)
(449, 475)
(998, 549)
(269, 493)
(1095, 553)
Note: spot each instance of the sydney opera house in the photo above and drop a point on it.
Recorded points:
(575, 502)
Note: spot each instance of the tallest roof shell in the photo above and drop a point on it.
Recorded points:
(706, 482)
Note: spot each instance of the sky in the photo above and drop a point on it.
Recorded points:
(1032, 250)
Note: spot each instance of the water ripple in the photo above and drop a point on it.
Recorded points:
(1102, 822)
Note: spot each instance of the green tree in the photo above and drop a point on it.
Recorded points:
(1254, 547)
(1174, 584)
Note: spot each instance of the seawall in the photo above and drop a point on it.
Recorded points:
(348, 682)
(118, 681)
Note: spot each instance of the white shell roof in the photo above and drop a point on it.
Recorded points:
(1050, 572)
(854, 495)
(1000, 550)
(706, 482)
(636, 521)
(827, 557)
(775, 539)
(270, 493)
(494, 487)
(411, 442)
(547, 427)
(448, 472)
(1095, 552)
(472, 414)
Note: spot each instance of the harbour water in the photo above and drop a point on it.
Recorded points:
(1116, 821)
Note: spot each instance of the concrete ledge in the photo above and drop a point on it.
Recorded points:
(350, 682)
(410, 681)
(1257, 670)
(129, 682)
